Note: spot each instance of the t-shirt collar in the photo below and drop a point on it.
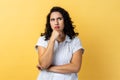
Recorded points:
(67, 38)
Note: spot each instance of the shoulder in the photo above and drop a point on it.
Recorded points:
(76, 43)
(41, 38)
(75, 39)
(42, 42)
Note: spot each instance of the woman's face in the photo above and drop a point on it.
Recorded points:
(57, 21)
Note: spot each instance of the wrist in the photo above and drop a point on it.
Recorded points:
(52, 40)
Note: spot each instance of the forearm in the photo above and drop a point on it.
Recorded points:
(46, 59)
(67, 68)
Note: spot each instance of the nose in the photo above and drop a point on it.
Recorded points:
(56, 22)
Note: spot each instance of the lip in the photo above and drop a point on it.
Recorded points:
(57, 27)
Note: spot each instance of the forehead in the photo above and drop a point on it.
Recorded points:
(55, 14)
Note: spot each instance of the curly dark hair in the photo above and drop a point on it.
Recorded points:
(68, 29)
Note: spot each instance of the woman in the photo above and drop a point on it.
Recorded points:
(59, 48)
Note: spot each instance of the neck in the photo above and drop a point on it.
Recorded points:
(61, 38)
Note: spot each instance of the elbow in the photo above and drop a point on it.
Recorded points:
(43, 66)
(76, 69)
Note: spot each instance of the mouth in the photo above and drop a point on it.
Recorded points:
(56, 27)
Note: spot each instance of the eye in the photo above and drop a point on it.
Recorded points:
(60, 18)
(52, 19)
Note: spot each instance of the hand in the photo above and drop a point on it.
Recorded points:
(40, 68)
(50, 69)
(55, 35)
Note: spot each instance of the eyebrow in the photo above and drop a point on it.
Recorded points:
(60, 17)
(57, 18)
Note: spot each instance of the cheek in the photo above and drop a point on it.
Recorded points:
(51, 25)
(62, 25)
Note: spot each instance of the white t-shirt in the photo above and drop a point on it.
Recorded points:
(62, 55)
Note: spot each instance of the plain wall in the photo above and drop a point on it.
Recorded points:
(98, 24)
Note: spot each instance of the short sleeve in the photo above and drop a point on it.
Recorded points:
(41, 42)
(77, 45)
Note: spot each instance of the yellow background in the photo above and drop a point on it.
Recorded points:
(97, 21)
